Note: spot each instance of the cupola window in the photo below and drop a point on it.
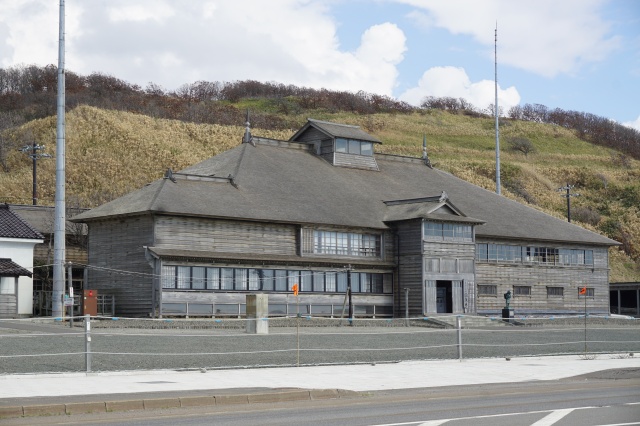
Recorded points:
(353, 146)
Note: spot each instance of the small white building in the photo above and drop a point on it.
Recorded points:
(17, 242)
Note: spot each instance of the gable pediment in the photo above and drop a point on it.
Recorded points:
(437, 208)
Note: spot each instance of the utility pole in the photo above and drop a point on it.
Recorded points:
(497, 116)
(568, 196)
(59, 231)
(32, 151)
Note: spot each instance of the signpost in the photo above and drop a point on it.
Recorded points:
(294, 288)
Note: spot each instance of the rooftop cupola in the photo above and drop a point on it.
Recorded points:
(340, 144)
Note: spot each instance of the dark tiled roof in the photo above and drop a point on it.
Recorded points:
(337, 130)
(42, 218)
(273, 182)
(8, 268)
(13, 226)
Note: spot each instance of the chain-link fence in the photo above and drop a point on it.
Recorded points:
(117, 344)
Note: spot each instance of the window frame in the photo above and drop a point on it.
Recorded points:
(234, 279)
(522, 290)
(493, 293)
(555, 289)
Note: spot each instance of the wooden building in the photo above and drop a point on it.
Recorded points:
(324, 211)
(17, 241)
(42, 219)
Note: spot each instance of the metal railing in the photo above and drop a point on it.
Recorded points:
(42, 306)
(117, 344)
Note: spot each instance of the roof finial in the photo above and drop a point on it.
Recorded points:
(425, 156)
(247, 138)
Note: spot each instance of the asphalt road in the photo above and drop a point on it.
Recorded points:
(31, 348)
(581, 401)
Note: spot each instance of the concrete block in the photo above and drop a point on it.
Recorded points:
(197, 401)
(152, 404)
(298, 395)
(231, 399)
(125, 405)
(348, 393)
(85, 407)
(6, 412)
(324, 394)
(44, 410)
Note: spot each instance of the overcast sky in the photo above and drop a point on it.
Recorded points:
(579, 55)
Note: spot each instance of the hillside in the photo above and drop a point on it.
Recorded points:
(110, 153)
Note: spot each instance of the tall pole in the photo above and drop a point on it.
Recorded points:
(32, 150)
(35, 179)
(496, 114)
(568, 196)
(60, 220)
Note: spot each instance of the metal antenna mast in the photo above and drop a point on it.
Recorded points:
(60, 220)
(496, 114)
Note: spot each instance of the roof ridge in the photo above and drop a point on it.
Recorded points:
(313, 120)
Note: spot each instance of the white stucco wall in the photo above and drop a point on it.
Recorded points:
(20, 251)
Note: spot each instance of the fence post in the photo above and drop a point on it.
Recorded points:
(459, 328)
(87, 343)
(406, 306)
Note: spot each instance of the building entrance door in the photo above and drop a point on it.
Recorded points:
(444, 300)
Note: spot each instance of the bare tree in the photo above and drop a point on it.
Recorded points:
(522, 145)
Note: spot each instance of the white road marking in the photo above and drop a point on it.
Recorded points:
(553, 417)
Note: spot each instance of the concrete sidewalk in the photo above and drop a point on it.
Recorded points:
(66, 393)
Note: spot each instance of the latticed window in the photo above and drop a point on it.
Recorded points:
(487, 290)
(282, 280)
(346, 244)
(555, 291)
(521, 290)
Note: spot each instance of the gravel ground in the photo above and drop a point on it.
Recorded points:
(46, 346)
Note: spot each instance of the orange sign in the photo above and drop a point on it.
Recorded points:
(583, 290)
(295, 289)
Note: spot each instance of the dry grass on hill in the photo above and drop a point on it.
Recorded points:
(111, 153)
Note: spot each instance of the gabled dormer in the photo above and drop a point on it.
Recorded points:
(441, 220)
(340, 144)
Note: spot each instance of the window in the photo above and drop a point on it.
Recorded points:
(267, 277)
(353, 146)
(521, 290)
(254, 279)
(487, 290)
(589, 293)
(346, 244)
(198, 278)
(7, 285)
(447, 231)
(555, 291)
(519, 254)
(213, 278)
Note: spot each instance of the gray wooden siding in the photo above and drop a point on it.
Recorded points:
(409, 275)
(541, 276)
(344, 159)
(9, 302)
(326, 147)
(451, 261)
(303, 300)
(225, 236)
(311, 135)
(117, 246)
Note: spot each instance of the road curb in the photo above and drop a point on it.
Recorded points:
(36, 410)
